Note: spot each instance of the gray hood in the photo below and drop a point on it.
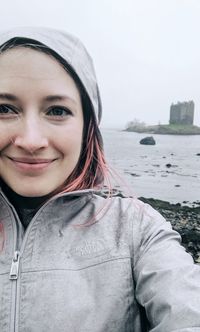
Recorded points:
(69, 48)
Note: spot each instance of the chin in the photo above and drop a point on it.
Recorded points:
(32, 187)
(31, 193)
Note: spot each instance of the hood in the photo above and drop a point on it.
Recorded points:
(70, 49)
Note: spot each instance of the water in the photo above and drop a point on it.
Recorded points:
(147, 164)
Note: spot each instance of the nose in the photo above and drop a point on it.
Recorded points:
(31, 136)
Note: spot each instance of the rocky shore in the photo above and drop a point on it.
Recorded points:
(184, 219)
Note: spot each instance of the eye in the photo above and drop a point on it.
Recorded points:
(59, 111)
(7, 111)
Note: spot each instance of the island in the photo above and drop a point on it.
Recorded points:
(180, 122)
(168, 129)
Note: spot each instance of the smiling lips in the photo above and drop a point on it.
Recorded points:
(31, 164)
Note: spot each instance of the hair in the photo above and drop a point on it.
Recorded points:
(91, 169)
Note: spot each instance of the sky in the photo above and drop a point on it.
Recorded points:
(146, 52)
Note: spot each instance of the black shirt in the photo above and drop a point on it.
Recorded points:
(26, 207)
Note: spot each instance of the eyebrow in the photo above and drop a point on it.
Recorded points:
(8, 96)
(59, 98)
(50, 98)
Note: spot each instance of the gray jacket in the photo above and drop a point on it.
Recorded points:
(116, 275)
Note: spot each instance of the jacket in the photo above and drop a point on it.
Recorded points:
(127, 272)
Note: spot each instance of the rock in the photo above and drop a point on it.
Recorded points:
(170, 165)
(149, 140)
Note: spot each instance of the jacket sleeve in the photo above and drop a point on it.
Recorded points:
(167, 280)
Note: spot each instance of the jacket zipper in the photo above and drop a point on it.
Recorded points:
(14, 271)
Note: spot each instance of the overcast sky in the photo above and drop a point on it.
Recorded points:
(146, 52)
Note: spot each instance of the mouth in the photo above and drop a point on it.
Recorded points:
(31, 164)
(31, 160)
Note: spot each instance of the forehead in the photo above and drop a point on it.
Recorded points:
(24, 67)
(15, 58)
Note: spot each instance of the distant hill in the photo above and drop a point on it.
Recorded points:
(168, 129)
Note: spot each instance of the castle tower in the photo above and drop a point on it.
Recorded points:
(182, 113)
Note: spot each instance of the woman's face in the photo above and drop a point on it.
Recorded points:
(41, 122)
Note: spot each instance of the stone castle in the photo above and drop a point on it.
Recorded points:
(182, 113)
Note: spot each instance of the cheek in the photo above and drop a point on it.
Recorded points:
(69, 142)
(7, 135)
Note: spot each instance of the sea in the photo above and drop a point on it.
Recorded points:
(168, 170)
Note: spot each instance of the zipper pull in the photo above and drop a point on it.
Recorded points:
(14, 266)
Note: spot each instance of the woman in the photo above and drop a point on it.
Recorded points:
(72, 259)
